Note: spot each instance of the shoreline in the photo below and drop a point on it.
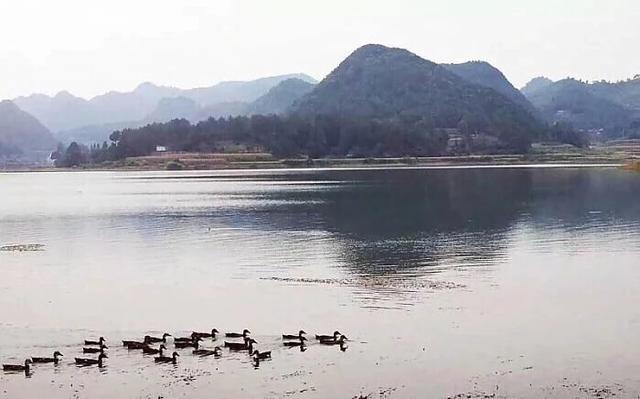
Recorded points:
(222, 162)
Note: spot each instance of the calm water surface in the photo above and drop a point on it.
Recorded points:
(513, 282)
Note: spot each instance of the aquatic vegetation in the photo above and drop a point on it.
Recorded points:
(374, 282)
(22, 248)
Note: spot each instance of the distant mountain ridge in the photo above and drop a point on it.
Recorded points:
(275, 101)
(22, 135)
(599, 106)
(64, 111)
(280, 97)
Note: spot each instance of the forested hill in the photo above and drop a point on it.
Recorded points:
(389, 83)
(612, 109)
(484, 74)
(379, 101)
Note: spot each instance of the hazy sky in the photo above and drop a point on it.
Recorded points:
(91, 46)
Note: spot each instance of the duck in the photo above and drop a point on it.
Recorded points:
(335, 335)
(137, 344)
(212, 334)
(155, 340)
(165, 359)
(91, 362)
(55, 359)
(186, 339)
(101, 341)
(261, 355)
(217, 352)
(95, 350)
(193, 343)
(18, 367)
(241, 346)
(147, 350)
(290, 336)
(244, 334)
(299, 342)
(332, 341)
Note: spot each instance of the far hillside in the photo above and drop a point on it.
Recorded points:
(72, 118)
(484, 74)
(22, 136)
(379, 102)
(606, 110)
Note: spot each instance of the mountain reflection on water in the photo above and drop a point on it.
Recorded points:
(419, 221)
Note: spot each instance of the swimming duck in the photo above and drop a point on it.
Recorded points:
(165, 359)
(261, 355)
(212, 334)
(152, 351)
(155, 340)
(55, 359)
(101, 341)
(299, 342)
(18, 367)
(217, 352)
(288, 336)
(95, 350)
(137, 344)
(332, 341)
(244, 334)
(193, 343)
(186, 339)
(335, 335)
(241, 346)
(91, 362)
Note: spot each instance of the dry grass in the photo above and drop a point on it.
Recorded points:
(633, 165)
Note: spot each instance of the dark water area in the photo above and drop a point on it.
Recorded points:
(513, 282)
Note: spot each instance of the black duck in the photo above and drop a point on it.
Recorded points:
(217, 352)
(212, 334)
(156, 340)
(245, 333)
(95, 350)
(186, 339)
(241, 346)
(55, 359)
(335, 335)
(137, 344)
(99, 342)
(18, 367)
(91, 362)
(147, 350)
(165, 359)
(291, 336)
(339, 341)
(189, 344)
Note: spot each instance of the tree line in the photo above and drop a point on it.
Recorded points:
(291, 136)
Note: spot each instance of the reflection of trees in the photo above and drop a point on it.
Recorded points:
(427, 219)
(404, 220)
(398, 220)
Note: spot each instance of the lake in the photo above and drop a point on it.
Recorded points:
(502, 282)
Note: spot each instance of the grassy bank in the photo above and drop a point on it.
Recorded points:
(614, 153)
(634, 166)
(619, 152)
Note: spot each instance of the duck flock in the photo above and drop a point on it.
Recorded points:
(149, 345)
